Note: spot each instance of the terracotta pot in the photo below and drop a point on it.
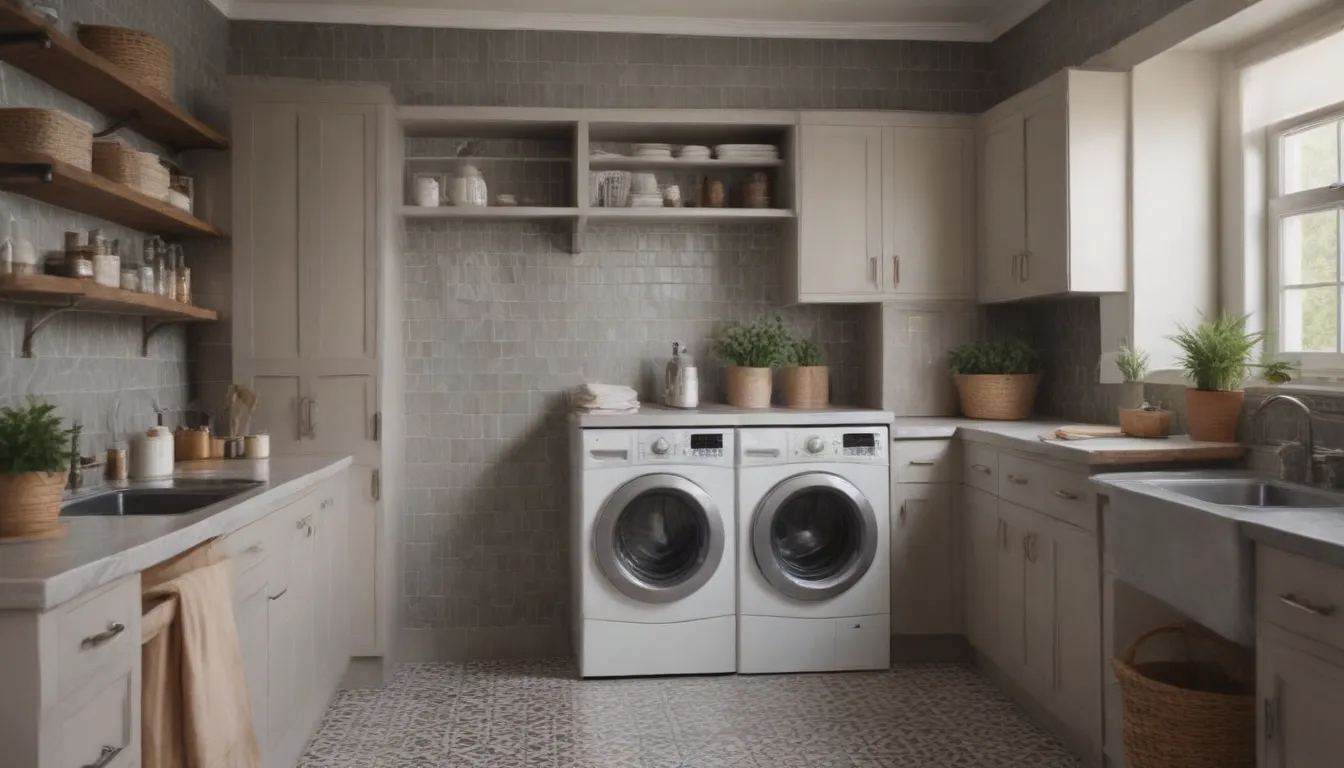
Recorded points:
(807, 387)
(1213, 416)
(748, 387)
(1002, 398)
(30, 504)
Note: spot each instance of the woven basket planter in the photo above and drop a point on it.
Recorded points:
(48, 133)
(807, 387)
(1213, 416)
(30, 504)
(748, 387)
(1192, 714)
(147, 59)
(1001, 398)
(1137, 422)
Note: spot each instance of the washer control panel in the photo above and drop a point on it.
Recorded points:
(697, 446)
(862, 444)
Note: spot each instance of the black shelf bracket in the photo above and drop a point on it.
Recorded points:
(40, 318)
(37, 37)
(148, 327)
(116, 125)
(40, 171)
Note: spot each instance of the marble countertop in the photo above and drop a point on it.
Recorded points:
(716, 415)
(41, 575)
(1026, 436)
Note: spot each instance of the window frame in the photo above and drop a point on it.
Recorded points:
(1281, 205)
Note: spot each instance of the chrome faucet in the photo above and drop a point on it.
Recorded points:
(1307, 441)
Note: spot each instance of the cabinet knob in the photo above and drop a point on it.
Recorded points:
(105, 757)
(1067, 495)
(921, 463)
(981, 468)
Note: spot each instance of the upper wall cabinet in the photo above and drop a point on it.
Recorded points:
(886, 208)
(1055, 186)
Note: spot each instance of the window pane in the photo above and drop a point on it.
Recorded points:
(1310, 319)
(1311, 248)
(1311, 158)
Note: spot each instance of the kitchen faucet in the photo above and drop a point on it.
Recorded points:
(1307, 442)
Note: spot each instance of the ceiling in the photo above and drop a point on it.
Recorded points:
(966, 20)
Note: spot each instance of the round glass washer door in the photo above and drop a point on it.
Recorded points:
(814, 536)
(659, 538)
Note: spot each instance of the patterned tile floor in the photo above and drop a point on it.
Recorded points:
(537, 714)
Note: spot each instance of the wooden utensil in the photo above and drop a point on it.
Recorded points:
(241, 401)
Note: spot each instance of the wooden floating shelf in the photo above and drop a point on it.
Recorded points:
(82, 191)
(638, 164)
(61, 61)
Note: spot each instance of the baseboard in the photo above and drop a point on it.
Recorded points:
(1079, 745)
(366, 672)
(921, 649)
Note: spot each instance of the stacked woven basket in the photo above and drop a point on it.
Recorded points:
(144, 57)
(141, 171)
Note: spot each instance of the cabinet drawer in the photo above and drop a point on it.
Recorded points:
(251, 546)
(923, 461)
(980, 468)
(1022, 481)
(1069, 496)
(104, 717)
(1301, 595)
(97, 633)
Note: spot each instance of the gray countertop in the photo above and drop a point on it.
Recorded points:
(715, 415)
(41, 575)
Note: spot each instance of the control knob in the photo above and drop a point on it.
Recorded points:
(815, 444)
(661, 446)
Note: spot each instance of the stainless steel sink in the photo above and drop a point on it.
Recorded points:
(1248, 492)
(179, 499)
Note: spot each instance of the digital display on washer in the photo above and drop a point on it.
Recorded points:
(706, 442)
(859, 440)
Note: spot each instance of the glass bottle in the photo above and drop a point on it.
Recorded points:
(182, 275)
(147, 267)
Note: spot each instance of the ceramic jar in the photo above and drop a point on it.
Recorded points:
(469, 188)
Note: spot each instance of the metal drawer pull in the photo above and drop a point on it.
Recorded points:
(93, 641)
(1291, 600)
(922, 463)
(279, 595)
(1015, 480)
(981, 468)
(107, 756)
(1070, 495)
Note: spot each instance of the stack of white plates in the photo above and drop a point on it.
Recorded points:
(646, 200)
(693, 152)
(746, 152)
(653, 151)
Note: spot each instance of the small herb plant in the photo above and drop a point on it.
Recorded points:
(1217, 352)
(1276, 371)
(1133, 363)
(763, 344)
(1011, 357)
(806, 353)
(32, 439)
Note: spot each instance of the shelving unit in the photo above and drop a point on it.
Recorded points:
(645, 164)
(31, 44)
(58, 295)
(492, 212)
(688, 215)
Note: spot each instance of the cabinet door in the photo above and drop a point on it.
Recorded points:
(365, 579)
(840, 210)
(983, 538)
(1078, 670)
(1045, 269)
(1015, 525)
(929, 212)
(282, 679)
(1004, 235)
(1302, 697)
(1038, 603)
(924, 595)
(342, 414)
(252, 616)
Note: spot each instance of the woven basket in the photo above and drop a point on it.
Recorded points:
(147, 59)
(807, 387)
(30, 505)
(1137, 422)
(1188, 713)
(1213, 416)
(1002, 398)
(115, 160)
(49, 133)
(155, 180)
(748, 387)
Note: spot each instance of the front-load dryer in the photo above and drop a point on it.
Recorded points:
(813, 549)
(654, 552)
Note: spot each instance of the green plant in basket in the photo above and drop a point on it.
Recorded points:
(32, 439)
(805, 353)
(765, 343)
(1010, 357)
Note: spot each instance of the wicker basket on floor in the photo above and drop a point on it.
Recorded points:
(1193, 714)
(48, 133)
(144, 57)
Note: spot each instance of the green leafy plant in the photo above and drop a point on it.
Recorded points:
(805, 353)
(1133, 363)
(1010, 357)
(1276, 371)
(1217, 352)
(763, 344)
(32, 439)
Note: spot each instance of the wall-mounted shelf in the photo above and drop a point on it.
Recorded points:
(58, 295)
(646, 164)
(65, 186)
(488, 213)
(38, 48)
(687, 215)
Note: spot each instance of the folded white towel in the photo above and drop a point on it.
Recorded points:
(604, 399)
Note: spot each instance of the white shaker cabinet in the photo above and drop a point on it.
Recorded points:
(924, 577)
(1054, 170)
(886, 208)
(982, 538)
(1302, 696)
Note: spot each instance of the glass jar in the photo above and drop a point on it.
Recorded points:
(130, 279)
(469, 189)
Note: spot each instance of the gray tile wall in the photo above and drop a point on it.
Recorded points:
(90, 364)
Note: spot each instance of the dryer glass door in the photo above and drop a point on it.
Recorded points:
(659, 538)
(814, 536)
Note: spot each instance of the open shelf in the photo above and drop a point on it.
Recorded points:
(75, 189)
(486, 213)
(688, 214)
(645, 164)
(45, 52)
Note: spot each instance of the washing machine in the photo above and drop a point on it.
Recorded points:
(654, 552)
(813, 549)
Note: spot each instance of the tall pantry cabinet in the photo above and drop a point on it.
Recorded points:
(317, 306)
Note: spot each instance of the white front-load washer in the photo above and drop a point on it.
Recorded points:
(654, 552)
(814, 554)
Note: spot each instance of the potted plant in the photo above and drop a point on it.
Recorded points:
(807, 382)
(1133, 365)
(1217, 360)
(752, 351)
(996, 379)
(33, 463)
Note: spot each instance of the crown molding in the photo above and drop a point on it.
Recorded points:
(349, 13)
(1013, 13)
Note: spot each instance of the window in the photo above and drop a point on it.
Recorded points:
(1307, 261)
